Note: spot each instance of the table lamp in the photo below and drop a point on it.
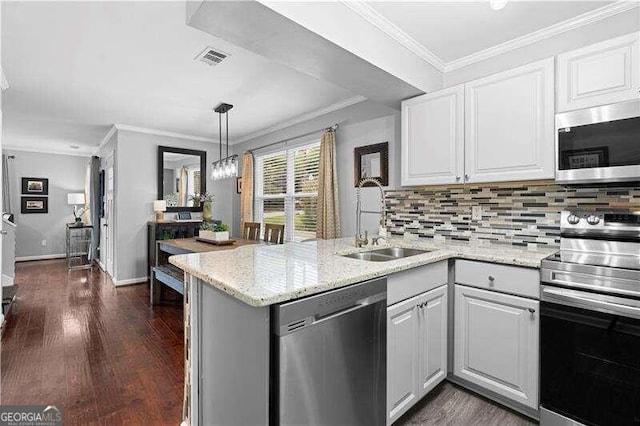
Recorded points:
(76, 199)
(159, 206)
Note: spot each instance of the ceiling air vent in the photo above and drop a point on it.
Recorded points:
(211, 56)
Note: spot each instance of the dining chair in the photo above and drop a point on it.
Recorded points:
(273, 234)
(251, 231)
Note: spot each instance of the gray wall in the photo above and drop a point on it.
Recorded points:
(384, 129)
(136, 188)
(363, 124)
(66, 174)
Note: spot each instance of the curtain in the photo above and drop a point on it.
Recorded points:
(6, 193)
(246, 196)
(93, 198)
(182, 187)
(328, 222)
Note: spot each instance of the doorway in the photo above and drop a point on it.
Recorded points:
(108, 221)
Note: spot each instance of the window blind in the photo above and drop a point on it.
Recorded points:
(286, 185)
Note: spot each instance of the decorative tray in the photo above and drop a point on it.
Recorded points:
(216, 242)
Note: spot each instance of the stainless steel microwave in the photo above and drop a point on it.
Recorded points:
(599, 145)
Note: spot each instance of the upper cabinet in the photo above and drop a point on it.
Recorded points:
(433, 138)
(599, 74)
(509, 119)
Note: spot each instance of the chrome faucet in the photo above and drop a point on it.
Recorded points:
(360, 240)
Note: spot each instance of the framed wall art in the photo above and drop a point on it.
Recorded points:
(30, 205)
(35, 186)
(372, 161)
(239, 185)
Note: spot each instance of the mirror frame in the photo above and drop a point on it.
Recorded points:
(203, 174)
(383, 149)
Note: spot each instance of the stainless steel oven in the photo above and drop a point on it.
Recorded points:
(590, 322)
(599, 145)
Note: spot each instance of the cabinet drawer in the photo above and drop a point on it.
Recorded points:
(503, 278)
(406, 284)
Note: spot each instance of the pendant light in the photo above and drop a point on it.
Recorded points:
(226, 167)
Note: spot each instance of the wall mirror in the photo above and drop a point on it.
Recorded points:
(372, 161)
(182, 177)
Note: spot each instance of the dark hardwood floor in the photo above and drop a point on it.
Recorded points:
(101, 353)
(104, 356)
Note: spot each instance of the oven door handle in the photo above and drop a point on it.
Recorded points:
(607, 304)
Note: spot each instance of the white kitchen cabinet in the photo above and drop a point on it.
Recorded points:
(402, 357)
(433, 138)
(432, 330)
(599, 74)
(416, 349)
(509, 125)
(497, 342)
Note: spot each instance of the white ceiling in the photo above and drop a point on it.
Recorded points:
(76, 68)
(453, 30)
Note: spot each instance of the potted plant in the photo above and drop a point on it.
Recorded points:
(206, 199)
(211, 231)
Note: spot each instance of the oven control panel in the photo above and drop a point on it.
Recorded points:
(586, 222)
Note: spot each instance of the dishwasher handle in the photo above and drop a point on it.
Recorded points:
(321, 318)
(295, 315)
(344, 311)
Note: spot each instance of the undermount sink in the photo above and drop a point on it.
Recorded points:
(386, 254)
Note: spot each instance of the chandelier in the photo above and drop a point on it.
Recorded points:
(226, 167)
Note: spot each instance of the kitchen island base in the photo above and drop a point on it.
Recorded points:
(233, 338)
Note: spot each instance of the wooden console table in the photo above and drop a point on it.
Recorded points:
(163, 273)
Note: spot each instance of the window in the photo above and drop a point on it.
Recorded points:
(287, 190)
(193, 181)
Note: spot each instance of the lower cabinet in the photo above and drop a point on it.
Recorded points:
(416, 349)
(497, 343)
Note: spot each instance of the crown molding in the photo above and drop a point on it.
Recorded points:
(106, 138)
(544, 33)
(47, 151)
(409, 43)
(390, 29)
(155, 132)
(279, 126)
(302, 118)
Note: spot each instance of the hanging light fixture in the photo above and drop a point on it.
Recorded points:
(226, 167)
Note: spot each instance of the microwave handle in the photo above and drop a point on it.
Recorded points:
(591, 301)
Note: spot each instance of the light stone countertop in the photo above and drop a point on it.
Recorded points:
(263, 275)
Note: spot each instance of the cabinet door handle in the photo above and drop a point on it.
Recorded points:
(531, 310)
(3, 232)
(458, 178)
(492, 278)
(466, 177)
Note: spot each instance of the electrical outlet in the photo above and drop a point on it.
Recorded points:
(476, 213)
(44, 243)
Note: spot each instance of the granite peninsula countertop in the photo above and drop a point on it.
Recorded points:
(263, 275)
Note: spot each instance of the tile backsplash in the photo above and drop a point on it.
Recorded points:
(521, 214)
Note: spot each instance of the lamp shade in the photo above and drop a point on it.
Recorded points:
(159, 206)
(75, 198)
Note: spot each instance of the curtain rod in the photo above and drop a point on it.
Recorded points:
(329, 129)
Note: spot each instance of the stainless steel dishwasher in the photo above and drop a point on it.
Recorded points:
(329, 358)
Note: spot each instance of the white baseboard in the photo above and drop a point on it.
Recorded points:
(102, 265)
(7, 280)
(131, 281)
(40, 257)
